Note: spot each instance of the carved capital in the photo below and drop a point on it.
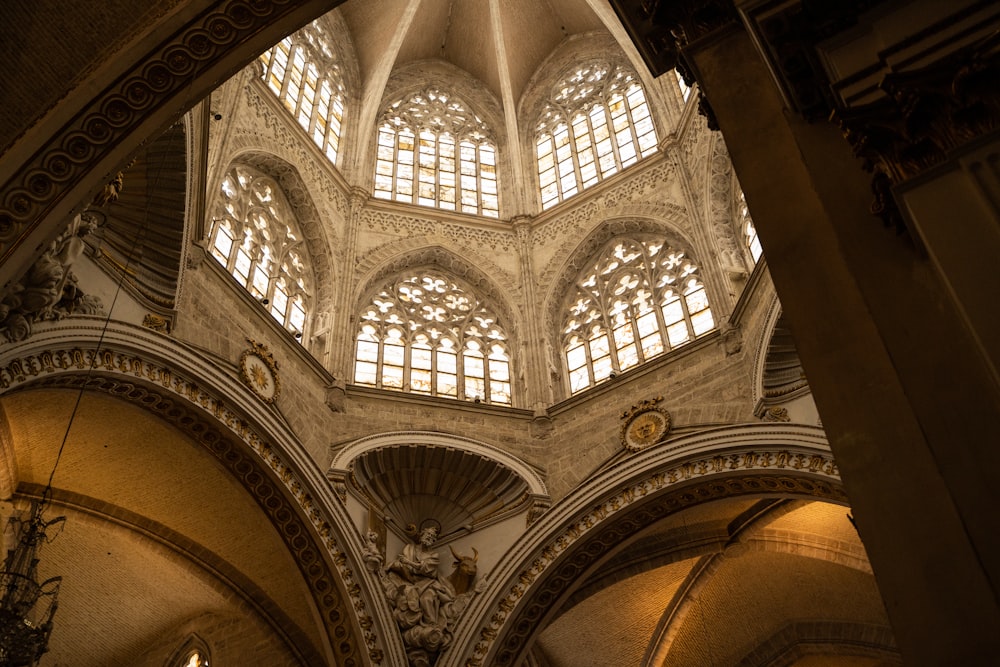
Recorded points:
(925, 115)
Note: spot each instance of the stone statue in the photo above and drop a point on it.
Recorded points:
(424, 604)
(49, 290)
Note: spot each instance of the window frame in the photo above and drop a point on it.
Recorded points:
(438, 115)
(596, 295)
(443, 332)
(591, 89)
(271, 240)
(309, 49)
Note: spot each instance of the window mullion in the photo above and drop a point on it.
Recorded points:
(576, 154)
(381, 358)
(437, 170)
(613, 135)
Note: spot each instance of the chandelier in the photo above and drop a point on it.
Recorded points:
(27, 607)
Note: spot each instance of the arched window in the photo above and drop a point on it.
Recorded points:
(745, 223)
(426, 334)
(639, 299)
(595, 124)
(302, 71)
(195, 659)
(192, 653)
(255, 237)
(682, 86)
(434, 151)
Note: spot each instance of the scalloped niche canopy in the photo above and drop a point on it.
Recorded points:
(462, 490)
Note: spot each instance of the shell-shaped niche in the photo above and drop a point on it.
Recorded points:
(412, 481)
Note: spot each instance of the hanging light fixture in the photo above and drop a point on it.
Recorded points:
(27, 606)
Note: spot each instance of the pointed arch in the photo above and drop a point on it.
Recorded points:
(423, 326)
(769, 460)
(629, 292)
(435, 147)
(317, 237)
(219, 413)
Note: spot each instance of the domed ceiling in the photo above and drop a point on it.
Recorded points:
(499, 42)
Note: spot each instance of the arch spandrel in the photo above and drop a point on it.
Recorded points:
(750, 460)
(261, 454)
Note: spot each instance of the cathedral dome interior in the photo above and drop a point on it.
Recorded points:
(439, 332)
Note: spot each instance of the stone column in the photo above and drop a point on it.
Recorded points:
(894, 330)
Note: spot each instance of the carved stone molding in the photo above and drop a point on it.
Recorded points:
(571, 537)
(172, 67)
(926, 114)
(250, 457)
(565, 560)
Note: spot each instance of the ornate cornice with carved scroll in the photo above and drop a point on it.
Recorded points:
(926, 115)
(581, 529)
(138, 366)
(662, 28)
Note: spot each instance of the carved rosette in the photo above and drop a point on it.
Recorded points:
(259, 371)
(644, 425)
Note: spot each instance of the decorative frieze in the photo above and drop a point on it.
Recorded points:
(593, 534)
(926, 115)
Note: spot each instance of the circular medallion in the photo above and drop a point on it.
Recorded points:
(645, 428)
(259, 373)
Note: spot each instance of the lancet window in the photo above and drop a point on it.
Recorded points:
(195, 659)
(255, 236)
(302, 71)
(433, 150)
(746, 227)
(682, 86)
(638, 299)
(595, 124)
(427, 334)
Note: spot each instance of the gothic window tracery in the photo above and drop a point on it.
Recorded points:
(638, 299)
(595, 124)
(255, 237)
(427, 334)
(433, 150)
(302, 72)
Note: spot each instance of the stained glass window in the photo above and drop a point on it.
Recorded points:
(302, 71)
(427, 334)
(433, 150)
(255, 236)
(595, 124)
(638, 299)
